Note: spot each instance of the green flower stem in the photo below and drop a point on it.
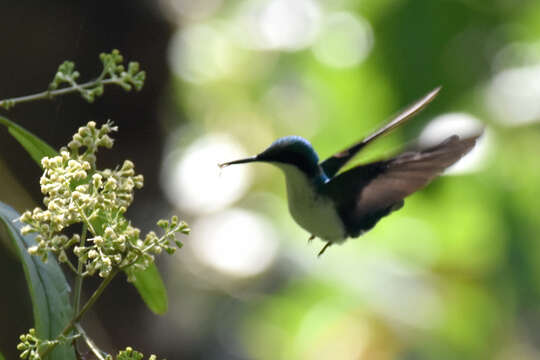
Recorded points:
(79, 277)
(91, 345)
(69, 327)
(49, 94)
(71, 266)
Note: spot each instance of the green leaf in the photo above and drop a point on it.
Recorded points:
(36, 147)
(47, 285)
(152, 289)
(2, 357)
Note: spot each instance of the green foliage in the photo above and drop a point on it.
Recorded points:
(47, 286)
(152, 289)
(77, 192)
(458, 266)
(35, 147)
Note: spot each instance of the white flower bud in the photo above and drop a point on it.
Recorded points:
(106, 141)
(26, 229)
(74, 144)
(109, 232)
(80, 175)
(26, 216)
(98, 240)
(128, 165)
(45, 162)
(73, 164)
(62, 257)
(32, 250)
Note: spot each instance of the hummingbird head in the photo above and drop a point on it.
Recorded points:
(289, 150)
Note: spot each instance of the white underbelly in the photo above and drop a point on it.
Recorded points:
(313, 212)
(319, 218)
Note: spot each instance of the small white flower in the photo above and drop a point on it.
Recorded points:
(32, 250)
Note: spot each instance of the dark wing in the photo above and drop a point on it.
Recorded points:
(332, 165)
(366, 193)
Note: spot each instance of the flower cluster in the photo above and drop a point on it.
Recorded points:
(130, 354)
(77, 192)
(114, 72)
(30, 345)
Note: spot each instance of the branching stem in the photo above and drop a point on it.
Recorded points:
(91, 345)
(79, 277)
(49, 94)
(69, 327)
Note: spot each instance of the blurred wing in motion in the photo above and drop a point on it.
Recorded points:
(369, 192)
(332, 165)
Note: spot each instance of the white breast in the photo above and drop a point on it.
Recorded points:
(313, 212)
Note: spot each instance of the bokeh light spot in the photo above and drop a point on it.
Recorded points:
(190, 9)
(202, 53)
(194, 182)
(339, 335)
(294, 108)
(345, 40)
(235, 242)
(278, 24)
(513, 95)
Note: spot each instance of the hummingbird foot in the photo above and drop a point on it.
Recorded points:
(311, 238)
(324, 248)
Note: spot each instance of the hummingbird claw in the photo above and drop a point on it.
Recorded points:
(311, 238)
(324, 248)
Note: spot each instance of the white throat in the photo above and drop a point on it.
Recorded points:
(313, 212)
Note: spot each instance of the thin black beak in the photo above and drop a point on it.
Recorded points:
(241, 161)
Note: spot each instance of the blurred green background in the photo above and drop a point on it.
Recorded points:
(455, 274)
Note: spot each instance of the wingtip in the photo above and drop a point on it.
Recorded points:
(462, 144)
(434, 92)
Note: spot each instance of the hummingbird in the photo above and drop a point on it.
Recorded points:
(335, 206)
